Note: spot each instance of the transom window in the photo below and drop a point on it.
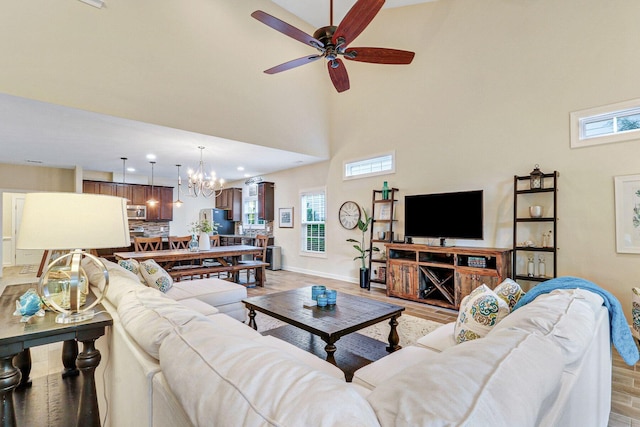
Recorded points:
(370, 166)
(313, 208)
(601, 125)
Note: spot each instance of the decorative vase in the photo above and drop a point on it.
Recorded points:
(204, 243)
(364, 278)
(193, 243)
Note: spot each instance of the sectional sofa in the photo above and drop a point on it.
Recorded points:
(185, 358)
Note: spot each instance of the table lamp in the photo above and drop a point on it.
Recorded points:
(71, 223)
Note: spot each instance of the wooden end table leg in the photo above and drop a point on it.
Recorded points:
(22, 361)
(69, 356)
(252, 318)
(9, 379)
(394, 338)
(87, 362)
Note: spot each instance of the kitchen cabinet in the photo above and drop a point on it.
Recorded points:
(266, 192)
(163, 210)
(230, 200)
(137, 194)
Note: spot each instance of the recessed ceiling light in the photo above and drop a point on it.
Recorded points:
(240, 168)
(151, 156)
(131, 169)
(246, 175)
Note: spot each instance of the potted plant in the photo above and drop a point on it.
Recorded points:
(202, 228)
(359, 246)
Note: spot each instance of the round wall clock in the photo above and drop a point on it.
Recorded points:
(349, 215)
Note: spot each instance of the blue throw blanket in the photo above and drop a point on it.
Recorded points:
(620, 333)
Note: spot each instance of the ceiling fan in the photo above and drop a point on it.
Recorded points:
(332, 42)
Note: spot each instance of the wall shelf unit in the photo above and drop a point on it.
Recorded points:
(535, 238)
(383, 214)
(443, 276)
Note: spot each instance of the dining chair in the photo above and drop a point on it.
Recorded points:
(179, 242)
(215, 240)
(144, 244)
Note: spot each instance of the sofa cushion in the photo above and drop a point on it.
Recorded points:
(510, 291)
(148, 316)
(277, 389)
(380, 371)
(502, 380)
(480, 311)
(213, 291)
(439, 339)
(568, 316)
(121, 281)
(155, 276)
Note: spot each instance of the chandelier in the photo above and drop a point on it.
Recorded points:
(200, 184)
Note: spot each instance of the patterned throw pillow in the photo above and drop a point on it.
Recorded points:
(133, 266)
(156, 276)
(480, 311)
(635, 311)
(510, 292)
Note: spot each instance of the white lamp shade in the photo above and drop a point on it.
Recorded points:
(73, 221)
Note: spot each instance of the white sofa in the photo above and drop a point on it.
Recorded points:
(182, 362)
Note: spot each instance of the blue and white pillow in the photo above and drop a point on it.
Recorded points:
(156, 276)
(479, 312)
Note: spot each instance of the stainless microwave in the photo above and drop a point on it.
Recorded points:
(137, 212)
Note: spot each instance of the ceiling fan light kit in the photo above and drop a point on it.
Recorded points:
(332, 42)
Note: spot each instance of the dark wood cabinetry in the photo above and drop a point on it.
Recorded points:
(266, 192)
(137, 194)
(443, 276)
(163, 210)
(230, 200)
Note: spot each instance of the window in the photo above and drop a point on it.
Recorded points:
(250, 208)
(312, 206)
(379, 165)
(602, 125)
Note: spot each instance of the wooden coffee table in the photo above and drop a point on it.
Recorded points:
(350, 314)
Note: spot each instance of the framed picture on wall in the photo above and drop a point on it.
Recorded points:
(627, 193)
(285, 217)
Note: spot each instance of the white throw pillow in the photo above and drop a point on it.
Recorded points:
(156, 276)
(133, 266)
(480, 311)
(510, 292)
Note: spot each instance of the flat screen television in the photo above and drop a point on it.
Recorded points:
(443, 216)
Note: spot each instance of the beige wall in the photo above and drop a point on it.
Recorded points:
(487, 97)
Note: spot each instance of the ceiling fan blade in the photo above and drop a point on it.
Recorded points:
(356, 20)
(338, 74)
(292, 64)
(287, 29)
(379, 55)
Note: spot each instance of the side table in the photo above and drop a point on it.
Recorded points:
(16, 338)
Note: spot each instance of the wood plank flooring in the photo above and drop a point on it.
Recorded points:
(625, 399)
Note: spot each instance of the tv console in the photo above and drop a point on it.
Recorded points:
(443, 276)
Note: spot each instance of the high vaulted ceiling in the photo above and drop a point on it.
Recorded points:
(41, 133)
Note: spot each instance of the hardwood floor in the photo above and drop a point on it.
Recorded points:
(625, 399)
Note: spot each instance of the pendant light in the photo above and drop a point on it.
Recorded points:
(178, 202)
(152, 201)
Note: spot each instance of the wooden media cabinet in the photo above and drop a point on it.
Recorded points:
(443, 276)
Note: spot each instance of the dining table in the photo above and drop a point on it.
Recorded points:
(222, 258)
